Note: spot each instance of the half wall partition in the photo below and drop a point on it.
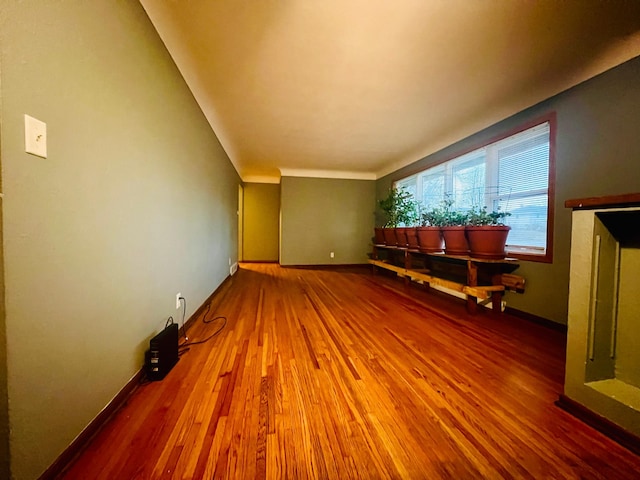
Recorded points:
(603, 337)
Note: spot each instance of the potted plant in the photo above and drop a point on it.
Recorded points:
(378, 236)
(454, 229)
(387, 205)
(410, 218)
(430, 232)
(411, 233)
(401, 212)
(487, 233)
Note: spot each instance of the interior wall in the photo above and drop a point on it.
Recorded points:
(321, 215)
(136, 202)
(240, 222)
(628, 335)
(4, 398)
(261, 222)
(4, 394)
(597, 154)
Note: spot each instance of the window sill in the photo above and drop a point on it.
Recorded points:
(528, 256)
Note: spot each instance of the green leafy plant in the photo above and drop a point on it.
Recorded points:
(480, 216)
(432, 218)
(452, 217)
(400, 208)
(444, 215)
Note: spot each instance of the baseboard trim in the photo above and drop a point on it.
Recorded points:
(81, 442)
(605, 426)
(558, 327)
(207, 301)
(78, 445)
(329, 266)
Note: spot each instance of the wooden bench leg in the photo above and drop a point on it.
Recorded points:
(472, 304)
(496, 303)
(496, 297)
(472, 281)
(407, 265)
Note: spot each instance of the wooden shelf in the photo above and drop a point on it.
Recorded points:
(459, 273)
(481, 292)
(625, 200)
(507, 260)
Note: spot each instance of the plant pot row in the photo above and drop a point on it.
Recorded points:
(487, 241)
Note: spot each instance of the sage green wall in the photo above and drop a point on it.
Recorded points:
(597, 153)
(136, 202)
(628, 338)
(4, 398)
(321, 215)
(616, 398)
(261, 238)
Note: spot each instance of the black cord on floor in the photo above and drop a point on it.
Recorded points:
(184, 312)
(205, 320)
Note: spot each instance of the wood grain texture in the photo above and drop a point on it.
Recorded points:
(597, 421)
(623, 200)
(341, 374)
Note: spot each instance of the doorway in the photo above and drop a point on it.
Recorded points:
(240, 222)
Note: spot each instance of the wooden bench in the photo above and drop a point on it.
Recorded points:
(479, 279)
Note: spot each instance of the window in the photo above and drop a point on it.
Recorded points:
(513, 174)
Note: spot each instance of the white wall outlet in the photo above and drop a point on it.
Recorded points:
(332, 254)
(178, 295)
(35, 136)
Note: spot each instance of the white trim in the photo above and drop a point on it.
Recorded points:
(260, 179)
(395, 166)
(294, 172)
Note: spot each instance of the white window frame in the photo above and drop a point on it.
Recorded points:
(492, 196)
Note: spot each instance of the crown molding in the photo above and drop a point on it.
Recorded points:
(293, 172)
(260, 179)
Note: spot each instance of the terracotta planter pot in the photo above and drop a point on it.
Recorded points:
(412, 238)
(401, 237)
(430, 239)
(488, 241)
(455, 241)
(379, 236)
(389, 236)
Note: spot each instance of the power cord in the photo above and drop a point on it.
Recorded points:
(184, 312)
(182, 349)
(205, 321)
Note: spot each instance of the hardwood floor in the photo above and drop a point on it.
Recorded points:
(339, 374)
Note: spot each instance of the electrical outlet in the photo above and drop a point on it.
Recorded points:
(178, 295)
(35, 136)
(331, 254)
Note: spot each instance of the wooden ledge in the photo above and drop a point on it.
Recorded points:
(461, 258)
(481, 292)
(625, 200)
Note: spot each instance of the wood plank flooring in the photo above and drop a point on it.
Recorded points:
(338, 374)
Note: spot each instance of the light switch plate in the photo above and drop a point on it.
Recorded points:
(35, 136)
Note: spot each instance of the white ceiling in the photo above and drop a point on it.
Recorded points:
(359, 88)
